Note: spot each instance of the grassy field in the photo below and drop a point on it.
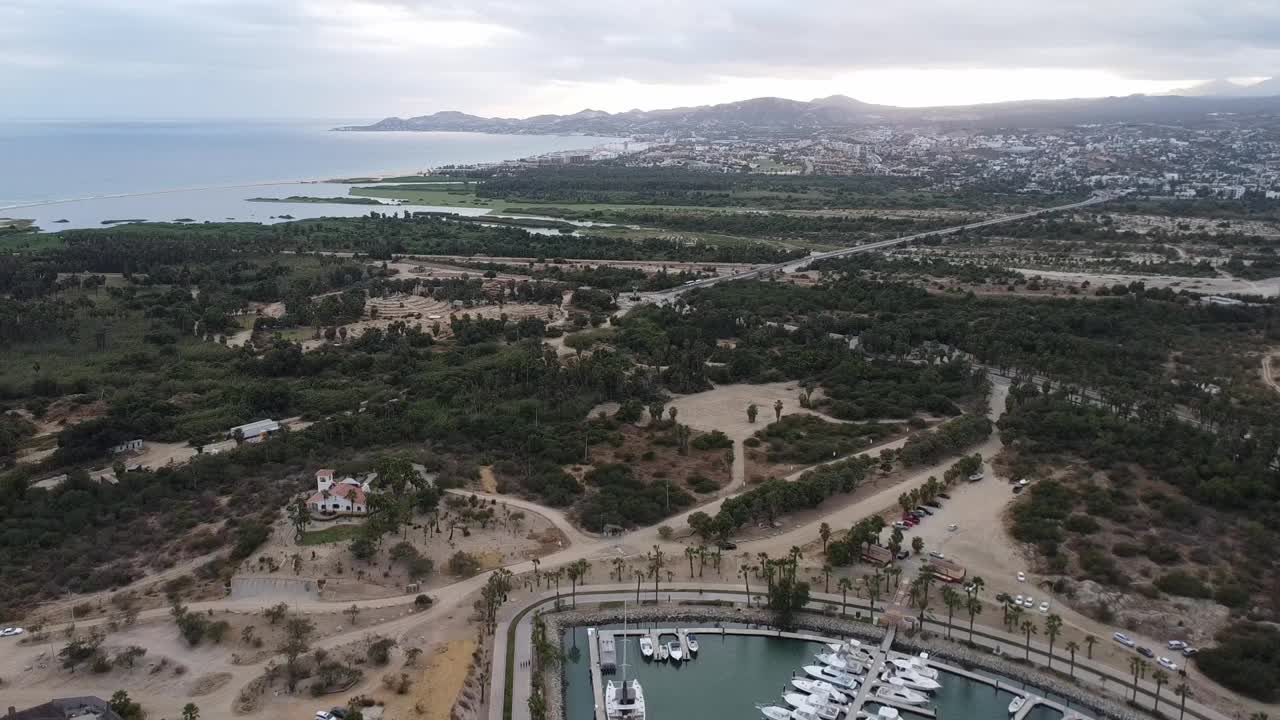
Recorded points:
(28, 242)
(337, 533)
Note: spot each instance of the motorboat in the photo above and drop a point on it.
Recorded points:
(887, 713)
(692, 641)
(841, 661)
(646, 647)
(776, 712)
(1016, 704)
(821, 708)
(815, 687)
(661, 652)
(851, 649)
(673, 649)
(840, 679)
(916, 665)
(900, 693)
(913, 680)
(624, 700)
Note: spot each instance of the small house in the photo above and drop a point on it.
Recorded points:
(255, 431)
(339, 497)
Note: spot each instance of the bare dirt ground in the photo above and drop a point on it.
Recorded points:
(433, 316)
(66, 411)
(1218, 285)
(514, 535)
(648, 266)
(1271, 370)
(1185, 225)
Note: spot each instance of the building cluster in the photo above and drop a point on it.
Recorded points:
(1225, 160)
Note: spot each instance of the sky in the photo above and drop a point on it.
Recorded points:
(367, 59)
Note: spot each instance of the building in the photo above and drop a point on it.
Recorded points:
(947, 571)
(343, 497)
(131, 446)
(73, 708)
(255, 431)
(876, 554)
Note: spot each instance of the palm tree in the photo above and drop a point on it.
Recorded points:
(655, 568)
(1052, 626)
(745, 571)
(1089, 640)
(845, 585)
(639, 576)
(974, 606)
(873, 591)
(752, 411)
(690, 553)
(1073, 647)
(618, 566)
(977, 585)
(1003, 599)
(1182, 691)
(1160, 677)
(826, 571)
(952, 600)
(777, 410)
(1029, 627)
(577, 572)
(537, 579)
(824, 532)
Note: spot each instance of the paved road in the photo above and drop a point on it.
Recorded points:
(795, 265)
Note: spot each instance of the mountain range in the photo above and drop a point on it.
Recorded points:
(1225, 88)
(771, 114)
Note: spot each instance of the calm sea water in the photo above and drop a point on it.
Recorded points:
(41, 163)
(734, 673)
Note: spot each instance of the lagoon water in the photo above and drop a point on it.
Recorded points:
(734, 673)
(218, 166)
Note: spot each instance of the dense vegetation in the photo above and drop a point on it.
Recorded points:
(1246, 659)
(806, 439)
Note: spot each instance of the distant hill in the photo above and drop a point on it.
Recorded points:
(839, 111)
(1227, 89)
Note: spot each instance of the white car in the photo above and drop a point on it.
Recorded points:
(1044, 606)
(1022, 577)
(1022, 482)
(938, 555)
(1176, 644)
(1123, 639)
(1018, 601)
(1030, 602)
(1167, 663)
(10, 631)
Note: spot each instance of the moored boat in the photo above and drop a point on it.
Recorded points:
(1016, 704)
(819, 686)
(835, 677)
(673, 649)
(646, 647)
(692, 640)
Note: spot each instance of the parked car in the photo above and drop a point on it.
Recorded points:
(1018, 601)
(727, 545)
(925, 510)
(1023, 482)
(1146, 652)
(934, 504)
(1189, 652)
(953, 527)
(11, 632)
(904, 554)
(936, 554)
(1029, 603)
(1044, 606)
(944, 496)
(901, 525)
(1176, 644)
(1123, 639)
(1022, 577)
(1168, 664)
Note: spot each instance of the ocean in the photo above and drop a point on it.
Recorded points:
(89, 172)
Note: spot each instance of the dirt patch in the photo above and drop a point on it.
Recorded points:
(488, 481)
(654, 457)
(67, 411)
(441, 682)
(206, 684)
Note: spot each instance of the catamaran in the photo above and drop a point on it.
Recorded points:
(835, 677)
(819, 686)
(646, 647)
(624, 700)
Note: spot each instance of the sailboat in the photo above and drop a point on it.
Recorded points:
(624, 700)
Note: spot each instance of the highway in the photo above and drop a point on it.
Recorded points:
(796, 265)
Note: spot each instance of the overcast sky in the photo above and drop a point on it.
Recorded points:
(372, 58)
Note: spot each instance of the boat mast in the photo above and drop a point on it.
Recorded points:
(624, 699)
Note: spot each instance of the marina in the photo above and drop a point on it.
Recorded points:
(877, 682)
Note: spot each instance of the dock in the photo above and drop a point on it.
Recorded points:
(597, 683)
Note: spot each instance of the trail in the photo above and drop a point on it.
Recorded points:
(1269, 361)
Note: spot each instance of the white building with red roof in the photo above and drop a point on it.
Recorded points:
(347, 496)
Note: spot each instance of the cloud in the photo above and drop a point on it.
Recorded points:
(374, 57)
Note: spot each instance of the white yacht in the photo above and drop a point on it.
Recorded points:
(900, 694)
(661, 652)
(835, 677)
(646, 647)
(851, 647)
(916, 665)
(1016, 704)
(624, 700)
(693, 643)
(821, 708)
(815, 687)
(895, 690)
(840, 661)
(775, 712)
(912, 680)
(673, 649)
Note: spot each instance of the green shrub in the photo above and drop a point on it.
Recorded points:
(1183, 584)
